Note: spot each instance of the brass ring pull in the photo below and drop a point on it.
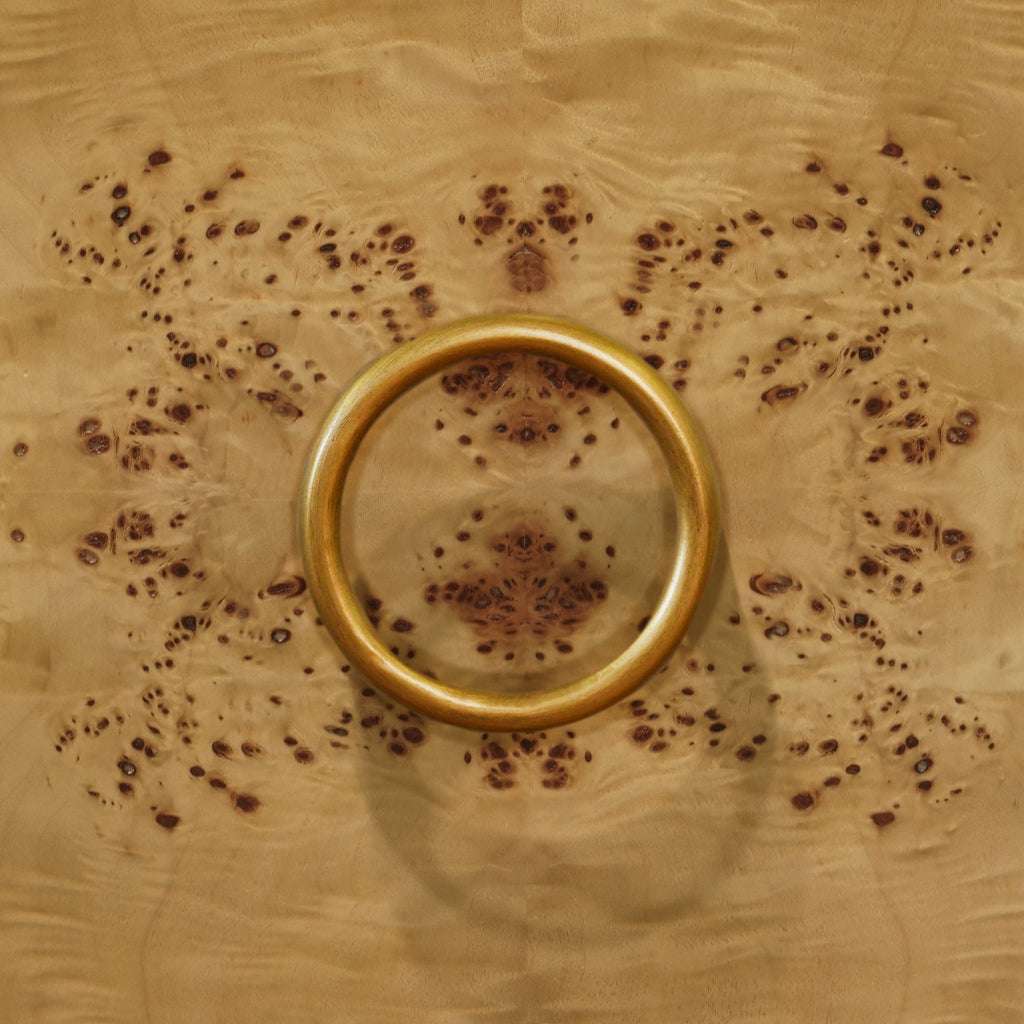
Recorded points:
(372, 391)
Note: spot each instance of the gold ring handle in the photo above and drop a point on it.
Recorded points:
(372, 391)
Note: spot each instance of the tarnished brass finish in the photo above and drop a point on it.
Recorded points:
(331, 458)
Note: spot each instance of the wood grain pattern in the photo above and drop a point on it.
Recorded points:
(806, 219)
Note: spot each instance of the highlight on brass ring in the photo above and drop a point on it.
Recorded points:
(661, 411)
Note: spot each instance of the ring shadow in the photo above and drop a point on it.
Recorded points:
(482, 853)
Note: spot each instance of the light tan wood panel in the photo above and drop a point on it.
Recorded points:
(806, 216)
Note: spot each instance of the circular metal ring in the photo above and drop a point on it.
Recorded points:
(377, 387)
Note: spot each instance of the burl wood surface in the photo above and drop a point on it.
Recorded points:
(806, 217)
